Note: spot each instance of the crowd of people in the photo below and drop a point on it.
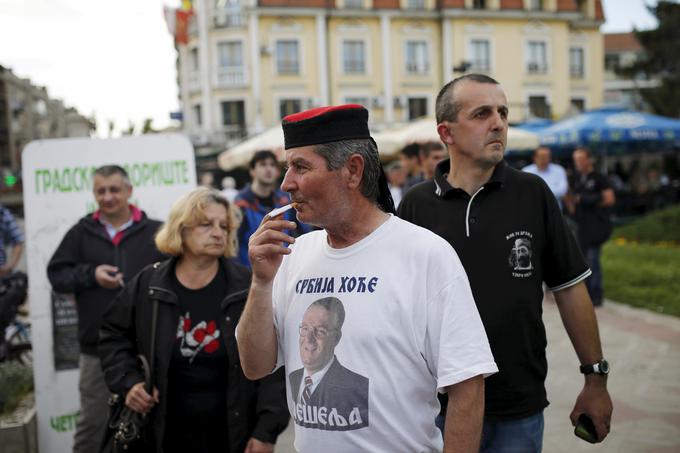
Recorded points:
(394, 309)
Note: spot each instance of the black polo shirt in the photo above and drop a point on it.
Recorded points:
(510, 237)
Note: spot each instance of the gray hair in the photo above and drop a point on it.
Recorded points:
(448, 109)
(110, 170)
(337, 154)
(332, 305)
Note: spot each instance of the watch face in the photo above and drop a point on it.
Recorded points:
(604, 367)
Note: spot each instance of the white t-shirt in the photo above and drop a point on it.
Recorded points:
(411, 327)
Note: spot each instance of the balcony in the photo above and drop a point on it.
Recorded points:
(232, 18)
(418, 5)
(576, 72)
(537, 68)
(231, 76)
(194, 81)
(413, 68)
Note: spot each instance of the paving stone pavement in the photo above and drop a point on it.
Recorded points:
(643, 349)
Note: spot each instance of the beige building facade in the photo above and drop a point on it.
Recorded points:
(246, 63)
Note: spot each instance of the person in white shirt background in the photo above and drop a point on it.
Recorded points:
(553, 174)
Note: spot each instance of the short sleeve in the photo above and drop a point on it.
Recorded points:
(456, 345)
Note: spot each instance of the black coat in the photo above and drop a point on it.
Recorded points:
(254, 408)
(84, 247)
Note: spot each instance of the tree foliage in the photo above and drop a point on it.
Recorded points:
(661, 60)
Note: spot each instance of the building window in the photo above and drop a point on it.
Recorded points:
(535, 5)
(583, 6)
(481, 55)
(478, 4)
(194, 59)
(578, 104)
(287, 58)
(576, 62)
(233, 119)
(354, 3)
(415, 4)
(227, 13)
(538, 107)
(197, 114)
(289, 106)
(416, 57)
(417, 108)
(612, 61)
(537, 62)
(353, 59)
(230, 70)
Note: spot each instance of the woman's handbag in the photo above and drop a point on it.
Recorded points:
(125, 427)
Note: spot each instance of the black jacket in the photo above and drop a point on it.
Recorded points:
(254, 408)
(84, 247)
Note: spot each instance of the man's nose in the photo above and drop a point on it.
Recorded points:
(498, 122)
(288, 183)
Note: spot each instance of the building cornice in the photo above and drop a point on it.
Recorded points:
(575, 18)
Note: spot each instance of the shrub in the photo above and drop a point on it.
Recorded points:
(660, 226)
(16, 380)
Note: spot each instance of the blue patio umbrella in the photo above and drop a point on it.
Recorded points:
(613, 131)
(535, 125)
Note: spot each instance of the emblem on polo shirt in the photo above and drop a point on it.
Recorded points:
(520, 254)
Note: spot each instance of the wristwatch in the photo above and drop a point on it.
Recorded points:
(601, 368)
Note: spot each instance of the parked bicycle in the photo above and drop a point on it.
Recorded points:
(15, 331)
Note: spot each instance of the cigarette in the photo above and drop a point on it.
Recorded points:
(278, 211)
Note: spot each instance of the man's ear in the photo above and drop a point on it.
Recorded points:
(355, 170)
(445, 133)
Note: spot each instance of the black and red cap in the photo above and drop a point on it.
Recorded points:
(325, 125)
(334, 124)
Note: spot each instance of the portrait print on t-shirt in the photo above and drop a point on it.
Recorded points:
(327, 395)
(520, 254)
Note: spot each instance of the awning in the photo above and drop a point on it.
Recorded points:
(390, 142)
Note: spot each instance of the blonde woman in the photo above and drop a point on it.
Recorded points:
(201, 400)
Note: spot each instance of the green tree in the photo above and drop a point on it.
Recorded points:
(661, 60)
(147, 128)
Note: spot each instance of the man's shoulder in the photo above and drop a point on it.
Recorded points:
(531, 168)
(340, 374)
(523, 179)
(415, 238)
(296, 375)
(557, 168)
(151, 222)
(422, 191)
(245, 194)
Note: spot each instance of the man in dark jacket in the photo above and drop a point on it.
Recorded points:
(590, 204)
(97, 256)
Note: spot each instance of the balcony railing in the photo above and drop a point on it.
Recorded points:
(194, 81)
(230, 76)
(417, 68)
(537, 68)
(229, 19)
(576, 72)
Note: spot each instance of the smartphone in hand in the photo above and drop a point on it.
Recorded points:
(585, 429)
